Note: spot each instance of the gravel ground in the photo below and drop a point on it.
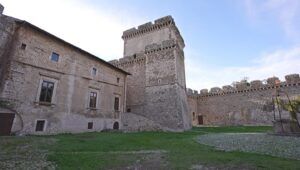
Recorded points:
(280, 146)
(17, 153)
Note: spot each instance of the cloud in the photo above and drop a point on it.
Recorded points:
(89, 27)
(285, 12)
(277, 63)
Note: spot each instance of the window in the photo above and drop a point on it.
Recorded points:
(194, 116)
(90, 125)
(118, 80)
(46, 91)
(54, 57)
(128, 110)
(93, 99)
(40, 125)
(116, 105)
(23, 46)
(94, 71)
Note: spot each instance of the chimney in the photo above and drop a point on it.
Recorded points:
(1, 9)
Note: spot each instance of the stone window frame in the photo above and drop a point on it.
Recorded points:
(92, 71)
(116, 95)
(50, 57)
(97, 91)
(53, 97)
(45, 125)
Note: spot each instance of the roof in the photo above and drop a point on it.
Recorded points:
(22, 22)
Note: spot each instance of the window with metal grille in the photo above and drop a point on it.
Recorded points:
(54, 57)
(40, 125)
(116, 106)
(46, 91)
(93, 99)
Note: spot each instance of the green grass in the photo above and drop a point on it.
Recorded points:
(109, 150)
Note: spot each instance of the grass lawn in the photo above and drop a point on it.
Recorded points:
(143, 150)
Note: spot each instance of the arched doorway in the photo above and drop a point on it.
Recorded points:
(116, 126)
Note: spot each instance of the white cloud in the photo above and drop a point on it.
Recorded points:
(277, 63)
(285, 12)
(91, 28)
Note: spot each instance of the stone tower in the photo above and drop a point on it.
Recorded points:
(156, 90)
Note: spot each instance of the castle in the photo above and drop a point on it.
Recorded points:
(50, 86)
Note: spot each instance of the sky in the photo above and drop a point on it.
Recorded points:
(226, 40)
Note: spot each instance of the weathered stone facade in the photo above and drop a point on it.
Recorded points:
(156, 90)
(245, 104)
(26, 63)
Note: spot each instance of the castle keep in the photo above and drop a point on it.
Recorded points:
(156, 98)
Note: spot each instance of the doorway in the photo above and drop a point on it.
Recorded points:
(200, 119)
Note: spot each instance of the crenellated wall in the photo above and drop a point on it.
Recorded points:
(246, 103)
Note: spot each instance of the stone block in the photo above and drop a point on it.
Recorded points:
(228, 88)
(273, 81)
(204, 91)
(215, 90)
(292, 79)
(255, 84)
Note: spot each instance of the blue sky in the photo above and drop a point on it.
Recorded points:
(226, 40)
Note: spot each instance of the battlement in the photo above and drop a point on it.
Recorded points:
(163, 29)
(148, 27)
(139, 57)
(244, 86)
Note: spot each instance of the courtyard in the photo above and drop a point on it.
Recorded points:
(237, 147)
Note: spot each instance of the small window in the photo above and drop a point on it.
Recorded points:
(55, 57)
(118, 80)
(46, 91)
(93, 99)
(94, 71)
(90, 125)
(128, 110)
(23, 46)
(117, 101)
(40, 125)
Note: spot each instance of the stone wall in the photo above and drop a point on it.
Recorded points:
(245, 104)
(156, 88)
(69, 110)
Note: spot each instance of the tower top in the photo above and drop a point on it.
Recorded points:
(163, 29)
(1, 9)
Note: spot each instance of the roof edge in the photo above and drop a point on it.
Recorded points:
(23, 22)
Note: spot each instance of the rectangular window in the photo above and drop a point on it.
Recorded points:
(116, 106)
(55, 57)
(93, 99)
(23, 46)
(94, 71)
(90, 125)
(40, 125)
(118, 80)
(46, 91)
